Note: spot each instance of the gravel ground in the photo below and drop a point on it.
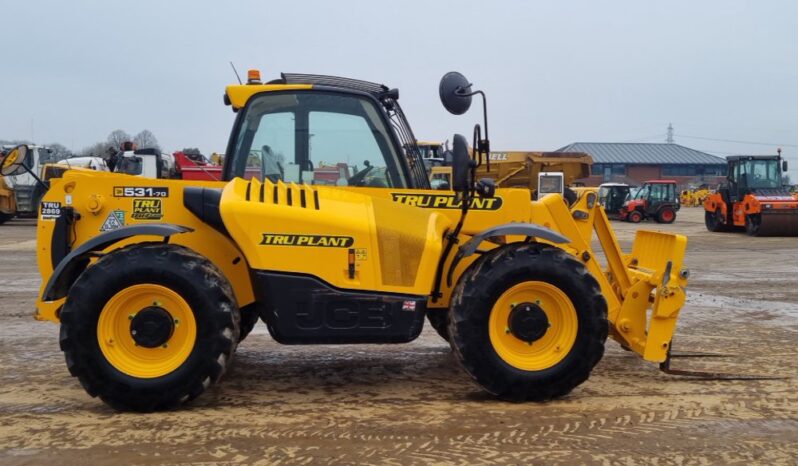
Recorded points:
(402, 404)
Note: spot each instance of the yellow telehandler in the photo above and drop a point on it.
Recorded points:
(155, 281)
(8, 205)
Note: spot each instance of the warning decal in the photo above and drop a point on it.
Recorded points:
(114, 221)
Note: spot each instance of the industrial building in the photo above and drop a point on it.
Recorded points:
(634, 163)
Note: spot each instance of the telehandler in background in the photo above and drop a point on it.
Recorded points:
(156, 281)
(8, 203)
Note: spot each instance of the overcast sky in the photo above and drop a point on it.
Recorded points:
(555, 72)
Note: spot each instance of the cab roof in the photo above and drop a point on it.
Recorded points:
(733, 158)
(237, 95)
(661, 181)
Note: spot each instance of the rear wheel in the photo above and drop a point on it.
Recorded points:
(250, 315)
(439, 319)
(528, 322)
(666, 215)
(5, 217)
(635, 216)
(752, 224)
(714, 221)
(149, 326)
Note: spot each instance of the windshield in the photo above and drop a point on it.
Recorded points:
(321, 138)
(641, 193)
(759, 173)
(129, 165)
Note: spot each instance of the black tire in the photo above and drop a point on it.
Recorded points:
(714, 221)
(439, 319)
(196, 280)
(473, 301)
(250, 314)
(666, 215)
(752, 223)
(635, 216)
(5, 217)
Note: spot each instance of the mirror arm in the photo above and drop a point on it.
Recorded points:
(38, 180)
(483, 146)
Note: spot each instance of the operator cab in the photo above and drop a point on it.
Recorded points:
(760, 174)
(322, 130)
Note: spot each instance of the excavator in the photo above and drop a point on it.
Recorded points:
(753, 198)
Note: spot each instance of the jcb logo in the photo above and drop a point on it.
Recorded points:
(319, 241)
(445, 201)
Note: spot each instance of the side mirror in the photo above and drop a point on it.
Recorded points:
(13, 161)
(783, 165)
(461, 164)
(455, 93)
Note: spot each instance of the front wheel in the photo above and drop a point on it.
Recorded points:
(635, 216)
(528, 322)
(5, 217)
(149, 326)
(439, 319)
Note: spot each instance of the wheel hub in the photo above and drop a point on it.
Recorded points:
(528, 322)
(152, 327)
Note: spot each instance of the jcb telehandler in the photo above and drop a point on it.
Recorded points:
(154, 282)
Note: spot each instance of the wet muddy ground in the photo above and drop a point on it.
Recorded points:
(410, 403)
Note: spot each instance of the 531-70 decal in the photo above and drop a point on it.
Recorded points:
(141, 191)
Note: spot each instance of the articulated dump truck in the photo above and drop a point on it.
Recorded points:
(154, 282)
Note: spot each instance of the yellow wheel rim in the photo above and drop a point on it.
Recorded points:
(119, 347)
(10, 159)
(550, 348)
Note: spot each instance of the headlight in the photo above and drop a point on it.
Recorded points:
(768, 206)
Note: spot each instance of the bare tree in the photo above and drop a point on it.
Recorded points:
(59, 151)
(99, 149)
(146, 139)
(117, 137)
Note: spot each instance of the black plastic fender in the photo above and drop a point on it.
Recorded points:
(71, 266)
(530, 230)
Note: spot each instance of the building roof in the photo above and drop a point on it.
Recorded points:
(643, 153)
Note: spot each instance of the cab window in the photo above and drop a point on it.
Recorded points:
(314, 137)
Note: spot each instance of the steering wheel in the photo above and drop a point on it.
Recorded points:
(357, 178)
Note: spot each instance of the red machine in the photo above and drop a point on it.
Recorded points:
(190, 167)
(656, 199)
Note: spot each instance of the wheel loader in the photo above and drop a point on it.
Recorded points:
(154, 282)
(753, 198)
